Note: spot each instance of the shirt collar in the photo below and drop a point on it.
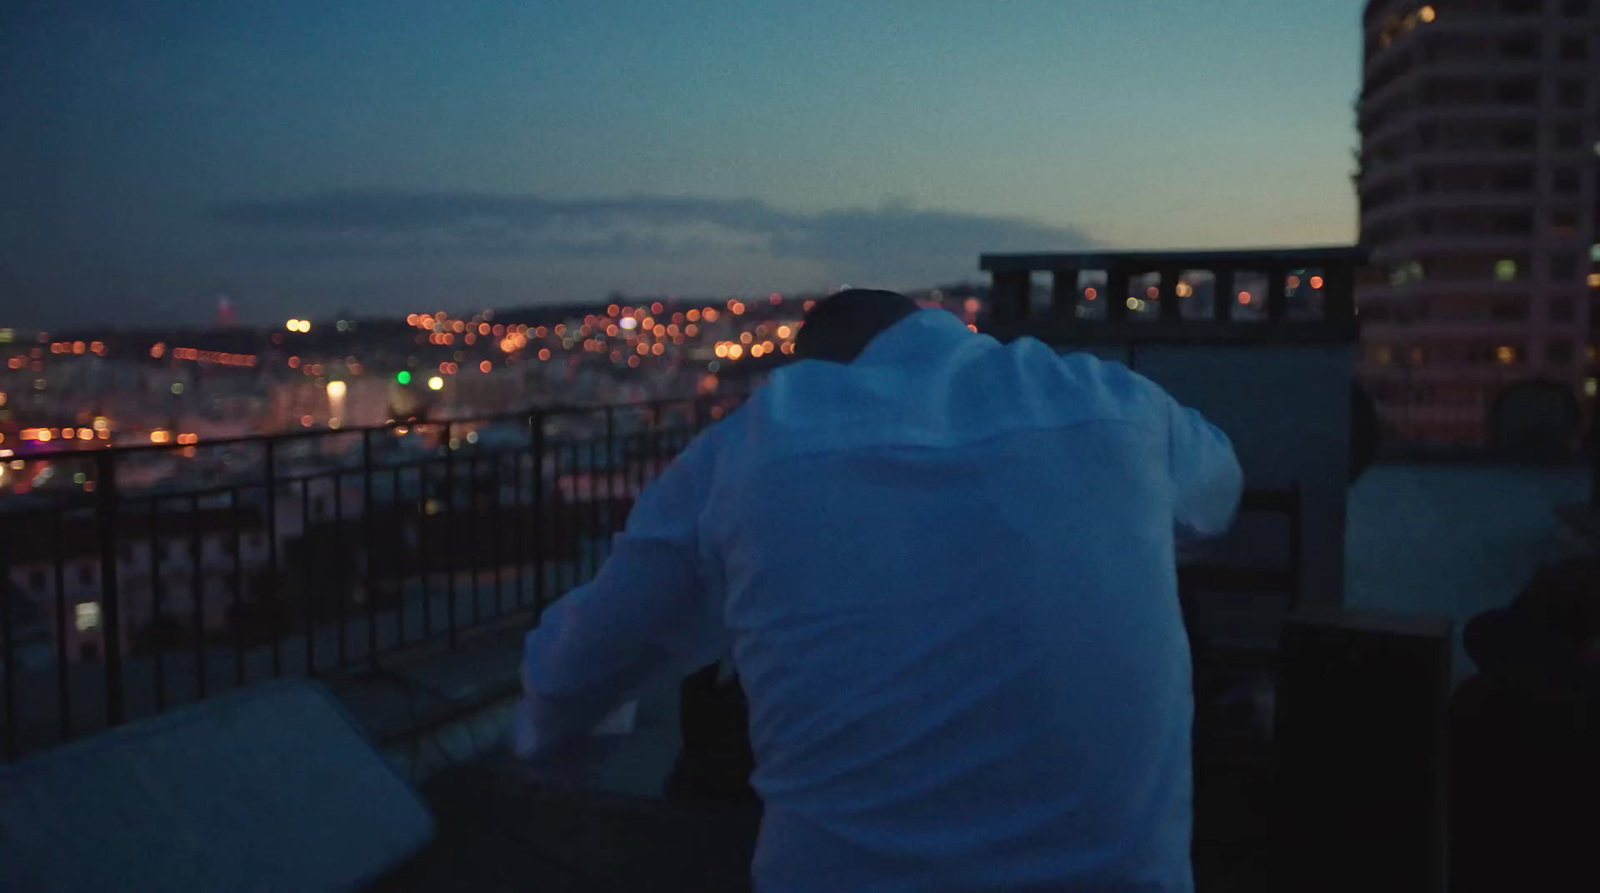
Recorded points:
(913, 338)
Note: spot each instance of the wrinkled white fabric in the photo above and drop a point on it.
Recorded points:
(946, 573)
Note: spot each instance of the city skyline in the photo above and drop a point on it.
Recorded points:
(306, 159)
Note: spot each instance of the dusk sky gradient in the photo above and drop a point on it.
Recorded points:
(385, 157)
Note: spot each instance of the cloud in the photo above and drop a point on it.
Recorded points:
(888, 244)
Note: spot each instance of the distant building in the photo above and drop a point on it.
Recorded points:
(58, 574)
(1480, 153)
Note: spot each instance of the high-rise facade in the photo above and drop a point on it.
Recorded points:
(1479, 161)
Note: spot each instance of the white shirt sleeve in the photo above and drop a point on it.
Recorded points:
(648, 615)
(1205, 474)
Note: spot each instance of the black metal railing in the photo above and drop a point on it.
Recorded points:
(134, 579)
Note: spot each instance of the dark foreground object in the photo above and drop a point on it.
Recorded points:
(501, 830)
(269, 788)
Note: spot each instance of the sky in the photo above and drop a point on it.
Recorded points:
(310, 157)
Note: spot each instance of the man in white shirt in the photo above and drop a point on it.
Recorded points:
(945, 569)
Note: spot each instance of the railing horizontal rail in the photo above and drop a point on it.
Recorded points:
(1153, 260)
(554, 411)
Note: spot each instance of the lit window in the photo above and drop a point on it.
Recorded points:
(1505, 270)
(87, 616)
(1505, 354)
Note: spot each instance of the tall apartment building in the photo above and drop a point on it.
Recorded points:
(1479, 162)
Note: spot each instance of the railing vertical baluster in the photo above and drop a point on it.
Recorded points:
(658, 438)
(550, 523)
(609, 525)
(424, 543)
(591, 554)
(341, 577)
(105, 491)
(636, 469)
(1171, 309)
(652, 446)
(238, 588)
(369, 586)
(1277, 294)
(541, 517)
(560, 511)
(1064, 295)
(518, 535)
(450, 539)
(1222, 291)
(274, 585)
(158, 618)
(573, 495)
(496, 528)
(574, 554)
(397, 563)
(63, 679)
(1011, 295)
(474, 544)
(575, 516)
(197, 590)
(1116, 292)
(306, 561)
(8, 660)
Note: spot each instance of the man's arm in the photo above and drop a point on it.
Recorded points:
(647, 615)
(1205, 474)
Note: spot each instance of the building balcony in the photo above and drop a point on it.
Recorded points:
(1448, 157)
(1411, 246)
(1419, 204)
(1447, 287)
(1401, 125)
(1406, 87)
(1435, 329)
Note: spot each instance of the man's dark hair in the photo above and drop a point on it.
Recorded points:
(841, 326)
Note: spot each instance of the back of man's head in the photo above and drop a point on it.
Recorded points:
(841, 326)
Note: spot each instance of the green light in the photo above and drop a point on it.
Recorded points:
(404, 377)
